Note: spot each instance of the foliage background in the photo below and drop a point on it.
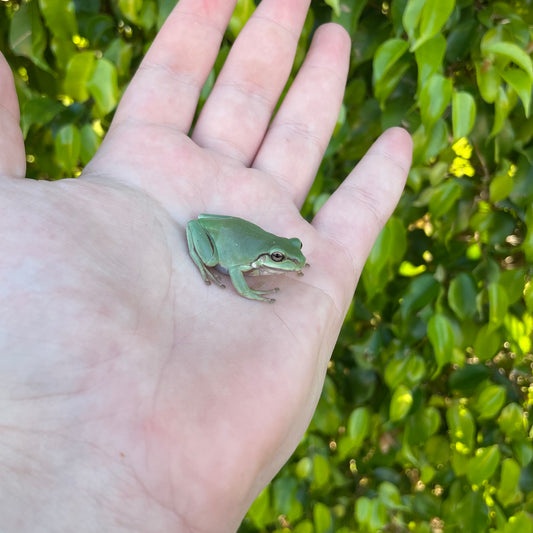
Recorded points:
(424, 423)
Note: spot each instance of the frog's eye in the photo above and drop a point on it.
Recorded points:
(277, 257)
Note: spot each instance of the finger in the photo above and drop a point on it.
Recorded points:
(166, 88)
(12, 155)
(357, 211)
(237, 113)
(299, 134)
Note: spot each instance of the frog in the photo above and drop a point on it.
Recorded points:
(234, 246)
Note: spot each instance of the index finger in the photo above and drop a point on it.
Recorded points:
(166, 88)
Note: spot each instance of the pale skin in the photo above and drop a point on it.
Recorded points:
(134, 397)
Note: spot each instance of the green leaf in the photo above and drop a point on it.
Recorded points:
(508, 491)
(411, 17)
(67, 146)
(370, 514)
(131, 9)
(420, 292)
(284, 496)
(490, 401)
(519, 523)
(38, 111)
(503, 106)
(321, 471)
(89, 143)
(388, 250)
(441, 336)
(511, 52)
(79, 72)
(465, 380)
(498, 304)
(60, 17)
(527, 244)
(521, 83)
(387, 67)
(500, 187)
(242, 12)
(359, 425)
(512, 422)
(462, 428)
(472, 513)
(386, 56)
(434, 99)
(434, 15)
(407, 370)
(429, 57)
(483, 465)
(389, 495)
(348, 15)
(103, 86)
(26, 34)
(462, 296)
(322, 518)
(488, 342)
(260, 511)
(401, 402)
(488, 81)
(335, 6)
(463, 114)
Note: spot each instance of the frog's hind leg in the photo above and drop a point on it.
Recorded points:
(202, 252)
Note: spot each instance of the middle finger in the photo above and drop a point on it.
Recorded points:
(236, 115)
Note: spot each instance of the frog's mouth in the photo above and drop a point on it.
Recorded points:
(263, 270)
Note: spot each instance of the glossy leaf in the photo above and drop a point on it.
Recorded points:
(359, 425)
(38, 111)
(322, 519)
(462, 428)
(434, 99)
(498, 303)
(521, 82)
(512, 422)
(483, 466)
(26, 34)
(79, 72)
(103, 86)
(401, 402)
(441, 336)
(387, 55)
(60, 17)
(511, 52)
(490, 401)
(429, 56)
(463, 114)
(487, 343)
(67, 146)
(434, 15)
(89, 143)
(509, 491)
(462, 296)
(420, 292)
(519, 523)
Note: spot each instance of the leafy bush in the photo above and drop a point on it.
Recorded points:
(425, 419)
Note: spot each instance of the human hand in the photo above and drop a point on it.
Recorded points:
(149, 400)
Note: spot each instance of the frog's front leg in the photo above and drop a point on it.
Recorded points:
(239, 282)
(203, 251)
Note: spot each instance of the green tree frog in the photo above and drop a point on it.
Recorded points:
(235, 246)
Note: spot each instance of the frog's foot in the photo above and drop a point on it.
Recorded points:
(242, 288)
(210, 276)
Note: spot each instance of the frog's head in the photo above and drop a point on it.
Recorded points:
(282, 256)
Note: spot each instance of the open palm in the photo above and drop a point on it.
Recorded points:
(146, 399)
